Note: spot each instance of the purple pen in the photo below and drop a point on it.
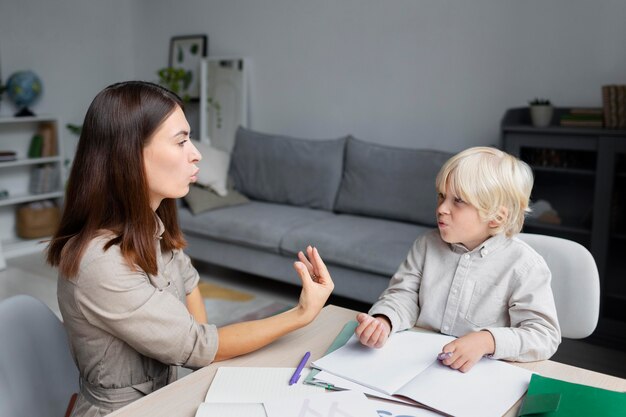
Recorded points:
(296, 374)
(444, 355)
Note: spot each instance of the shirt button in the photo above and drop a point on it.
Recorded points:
(485, 252)
(453, 291)
(446, 328)
(467, 256)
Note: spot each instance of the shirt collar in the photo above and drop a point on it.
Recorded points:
(489, 246)
(160, 228)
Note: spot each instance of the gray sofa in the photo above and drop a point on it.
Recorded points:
(361, 204)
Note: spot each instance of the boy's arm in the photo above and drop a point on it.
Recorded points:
(399, 302)
(534, 333)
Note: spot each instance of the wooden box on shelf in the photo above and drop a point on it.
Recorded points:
(37, 220)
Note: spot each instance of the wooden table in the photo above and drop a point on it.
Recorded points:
(182, 398)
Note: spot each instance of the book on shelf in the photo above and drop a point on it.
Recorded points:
(597, 111)
(407, 368)
(614, 105)
(44, 179)
(6, 156)
(49, 147)
(582, 118)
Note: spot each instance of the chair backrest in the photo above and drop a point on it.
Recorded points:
(575, 283)
(37, 373)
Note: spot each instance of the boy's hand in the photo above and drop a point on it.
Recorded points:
(372, 331)
(464, 352)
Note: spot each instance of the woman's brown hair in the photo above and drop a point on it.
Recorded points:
(107, 189)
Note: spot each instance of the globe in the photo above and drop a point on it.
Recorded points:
(23, 89)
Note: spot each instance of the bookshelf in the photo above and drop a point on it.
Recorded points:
(17, 177)
(581, 171)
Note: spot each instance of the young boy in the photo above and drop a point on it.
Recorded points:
(472, 278)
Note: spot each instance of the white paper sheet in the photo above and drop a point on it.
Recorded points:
(343, 383)
(255, 385)
(231, 410)
(405, 355)
(342, 403)
(388, 409)
(490, 388)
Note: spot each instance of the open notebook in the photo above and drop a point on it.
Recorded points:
(407, 366)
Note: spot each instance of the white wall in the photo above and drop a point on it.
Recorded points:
(77, 47)
(418, 73)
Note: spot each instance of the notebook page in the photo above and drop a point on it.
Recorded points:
(490, 388)
(342, 383)
(405, 355)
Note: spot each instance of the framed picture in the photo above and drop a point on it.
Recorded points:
(186, 52)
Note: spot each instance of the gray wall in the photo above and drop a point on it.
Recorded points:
(417, 73)
(77, 47)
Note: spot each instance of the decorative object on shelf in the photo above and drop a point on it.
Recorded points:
(6, 156)
(185, 54)
(614, 106)
(541, 112)
(23, 89)
(542, 211)
(39, 219)
(223, 100)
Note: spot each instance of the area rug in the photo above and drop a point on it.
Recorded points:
(226, 306)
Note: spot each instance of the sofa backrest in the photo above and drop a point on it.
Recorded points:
(286, 170)
(390, 182)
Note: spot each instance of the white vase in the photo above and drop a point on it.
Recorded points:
(541, 116)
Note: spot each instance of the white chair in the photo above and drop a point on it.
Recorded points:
(37, 373)
(575, 283)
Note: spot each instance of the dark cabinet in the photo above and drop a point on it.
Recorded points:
(581, 173)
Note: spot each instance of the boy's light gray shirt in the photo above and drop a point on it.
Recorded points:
(502, 286)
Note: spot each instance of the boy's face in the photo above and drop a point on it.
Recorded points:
(459, 222)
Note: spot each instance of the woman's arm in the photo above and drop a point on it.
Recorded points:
(195, 305)
(240, 338)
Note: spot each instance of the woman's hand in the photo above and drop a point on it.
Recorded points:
(372, 331)
(464, 352)
(316, 283)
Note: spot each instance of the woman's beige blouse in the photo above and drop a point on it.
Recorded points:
(128, 329)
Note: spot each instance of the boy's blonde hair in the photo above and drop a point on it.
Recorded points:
(490, 180)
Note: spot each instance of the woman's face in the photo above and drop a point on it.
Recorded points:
(170, 159)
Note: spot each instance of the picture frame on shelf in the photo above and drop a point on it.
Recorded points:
(186, 52)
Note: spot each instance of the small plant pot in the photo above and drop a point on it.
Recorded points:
(541, 116)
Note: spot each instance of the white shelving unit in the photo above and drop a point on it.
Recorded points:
(16, 134)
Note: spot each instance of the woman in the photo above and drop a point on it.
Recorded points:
(128, 295)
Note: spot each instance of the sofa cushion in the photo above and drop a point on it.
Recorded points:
(389, 182)
(256, 224)
(201, 199)
(213, 168)
(366, 244)
(280, 169)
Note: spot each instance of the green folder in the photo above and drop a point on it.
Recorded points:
(341, 339)
(547, 397)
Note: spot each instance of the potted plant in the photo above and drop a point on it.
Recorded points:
(541, 111)
(177, 80)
